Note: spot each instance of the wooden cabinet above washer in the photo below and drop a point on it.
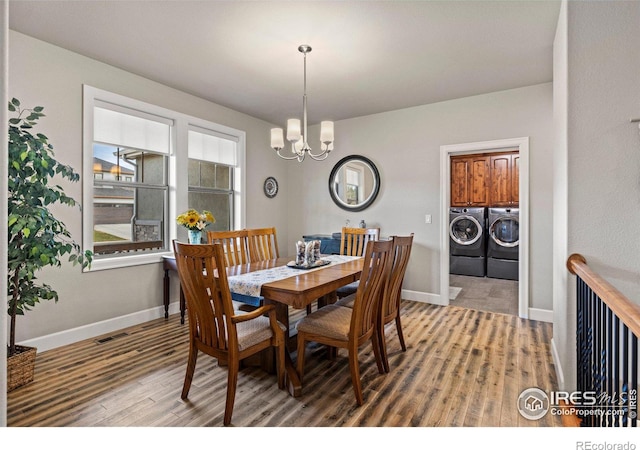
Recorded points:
(488, 179)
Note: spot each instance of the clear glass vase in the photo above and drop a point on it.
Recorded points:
(195, 236)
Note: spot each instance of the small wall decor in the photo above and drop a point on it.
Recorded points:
(270, 187)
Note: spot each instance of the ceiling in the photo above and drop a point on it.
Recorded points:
(368, 56)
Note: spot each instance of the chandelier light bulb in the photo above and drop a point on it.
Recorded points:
(326, 132)
(277, 140)
(293, 130)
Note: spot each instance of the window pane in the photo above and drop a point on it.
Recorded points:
(207, 174)
(128, 219)
(121, 164)
(223, 177)
(194, 173)
(150, 167)
(219, 204)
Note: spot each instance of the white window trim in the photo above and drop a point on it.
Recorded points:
(178, 163)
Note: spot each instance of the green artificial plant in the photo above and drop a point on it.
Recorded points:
(36, 239)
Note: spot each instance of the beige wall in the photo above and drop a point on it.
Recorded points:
(405, 146)
(562, 324)
(602, 152)
(45, 75)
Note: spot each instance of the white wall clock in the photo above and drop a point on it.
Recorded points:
(270, 187)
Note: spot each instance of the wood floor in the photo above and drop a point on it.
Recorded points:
(462, 368)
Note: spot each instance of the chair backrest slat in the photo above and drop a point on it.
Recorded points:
(354, 240)
(263, 244)
(235, 245)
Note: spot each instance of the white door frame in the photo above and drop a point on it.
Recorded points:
(445, 195)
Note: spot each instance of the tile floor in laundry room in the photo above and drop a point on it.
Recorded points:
(484, 294)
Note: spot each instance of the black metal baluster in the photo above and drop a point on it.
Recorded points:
(634, 377)
(597, 345)
(615, 353)
(581, 334)
(625, 372)
(609, 366)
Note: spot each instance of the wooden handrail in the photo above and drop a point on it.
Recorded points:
(625, 309)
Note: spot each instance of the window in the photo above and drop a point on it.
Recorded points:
(212, 158)
(130, 187)
(353, 186)
(143, 165)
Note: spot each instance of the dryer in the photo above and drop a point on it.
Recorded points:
(503, 244)
(467, 241)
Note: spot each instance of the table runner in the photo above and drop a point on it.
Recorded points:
(250, 284)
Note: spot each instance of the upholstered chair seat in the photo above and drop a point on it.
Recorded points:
(331, 321)
(347, 301)
(254, 331)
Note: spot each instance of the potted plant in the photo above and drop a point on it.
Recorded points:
(36, 239)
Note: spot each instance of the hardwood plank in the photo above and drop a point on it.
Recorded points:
(496, 360)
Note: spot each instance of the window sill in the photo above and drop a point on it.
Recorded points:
(126, 261)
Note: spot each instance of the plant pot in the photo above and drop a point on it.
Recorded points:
(20, 367)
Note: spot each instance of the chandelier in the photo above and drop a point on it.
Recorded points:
(297, 136)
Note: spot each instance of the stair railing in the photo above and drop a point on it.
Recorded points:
(608, 326)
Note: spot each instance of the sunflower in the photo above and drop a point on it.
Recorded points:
(193, 220)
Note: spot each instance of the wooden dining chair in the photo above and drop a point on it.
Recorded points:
(350, 328)
(214, 327)
(392, 295)
(389, 310)
(263, 244)
(235, 245)
(353, 242)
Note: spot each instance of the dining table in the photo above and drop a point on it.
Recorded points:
(286, 287)
(273, 282)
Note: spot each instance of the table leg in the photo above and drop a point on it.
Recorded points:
(292, 379)
(294, 386)
(183, 306)
(328, 299)
(165, 297)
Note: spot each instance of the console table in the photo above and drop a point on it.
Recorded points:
(329, 243)
(169, 264)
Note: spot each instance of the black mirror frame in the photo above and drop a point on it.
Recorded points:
(376, 189)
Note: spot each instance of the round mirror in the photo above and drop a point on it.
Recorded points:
(354, 183)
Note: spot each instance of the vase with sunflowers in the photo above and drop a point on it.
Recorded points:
(195, 222)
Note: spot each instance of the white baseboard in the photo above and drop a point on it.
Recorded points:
(556, 363)
(89, 331)
(543, 315)
(424, 297)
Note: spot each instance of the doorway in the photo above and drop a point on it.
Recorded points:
(446, 151)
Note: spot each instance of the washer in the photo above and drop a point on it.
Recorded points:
(467, 241)
(503, 244)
